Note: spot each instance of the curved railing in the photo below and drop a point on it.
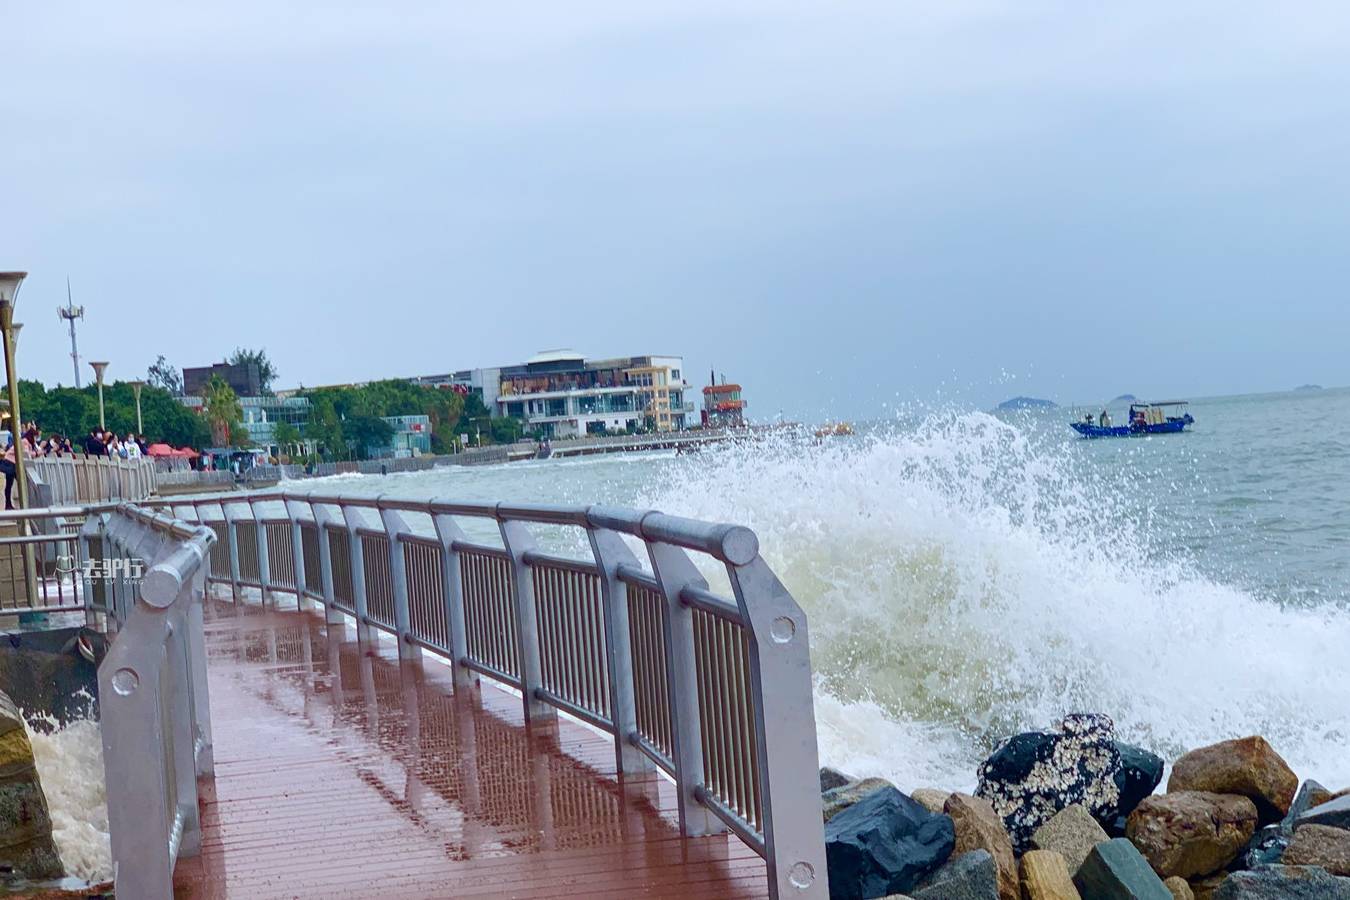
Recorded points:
(714, 691)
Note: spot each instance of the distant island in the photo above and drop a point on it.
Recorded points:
(1026, 403)
(1308, 387)
(1125, 398)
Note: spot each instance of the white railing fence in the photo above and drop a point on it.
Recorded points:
(713, 691)
(147, 592)
(66, 481)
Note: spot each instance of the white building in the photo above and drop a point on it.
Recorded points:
(559, 393)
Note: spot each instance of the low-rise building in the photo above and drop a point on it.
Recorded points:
(559, 393)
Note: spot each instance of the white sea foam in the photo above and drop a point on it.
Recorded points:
(963, 583)
(70, 762)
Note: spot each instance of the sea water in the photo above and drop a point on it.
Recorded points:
(967, 576)
(70, 762)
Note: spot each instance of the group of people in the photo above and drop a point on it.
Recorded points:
(107, 443)
(33, 445)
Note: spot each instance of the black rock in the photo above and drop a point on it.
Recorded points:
(884, 844)
(1138, 776)
(832, 778)
(1034, 775)
(1284, 883)
(970, 876)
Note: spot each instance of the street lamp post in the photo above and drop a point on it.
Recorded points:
(98, 373)
(9, 290)
(136, 389)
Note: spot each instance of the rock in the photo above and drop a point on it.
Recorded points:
(1316, 793)
(1248, 766)
(1320, 845)
(969, 876)
(26, 846)
(978, 827)
(1328, 797)
(1191, 833)
(1072, 833)
(833, 778)
(1032, 776)
(1139, 775)
(1284, 883)
(1045, 876)
(1335, 813)
(1180, 888)
(884, 844)
(932, 799)
(1204, 888)
(836, 800)
(1115, 870)
(1267, 846)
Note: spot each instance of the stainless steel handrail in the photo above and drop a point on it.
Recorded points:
(714, 691)
(155, 710)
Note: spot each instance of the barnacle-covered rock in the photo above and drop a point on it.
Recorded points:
(1034, 775)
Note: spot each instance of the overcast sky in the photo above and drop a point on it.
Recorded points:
(840, 205)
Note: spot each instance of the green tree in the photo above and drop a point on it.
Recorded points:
(367, 433)
(288, 438)
(324, 427)
(223, 413)
(73, 412)
(267, 373)
(163, 375)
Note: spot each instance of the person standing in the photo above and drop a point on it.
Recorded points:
(93, 445)
(7, 465)
(131, 449)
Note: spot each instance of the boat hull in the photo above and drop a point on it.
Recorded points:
(1171, 426)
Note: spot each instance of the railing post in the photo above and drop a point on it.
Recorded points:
(201, 696)
(322, 517)
(610, 553)
(447, 532)
(518, 542)
(95, 592)
(232, 542)
(785, 726)
(675, 571)
(358, 561)
(264, 569)
(293, 508)
(394, 529)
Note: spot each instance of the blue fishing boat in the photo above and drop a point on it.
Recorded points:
(1166, 417)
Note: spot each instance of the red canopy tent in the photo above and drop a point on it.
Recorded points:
(186, 453)
(160, 450)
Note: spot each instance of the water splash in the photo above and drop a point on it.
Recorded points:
(70, 762)
(965, 580)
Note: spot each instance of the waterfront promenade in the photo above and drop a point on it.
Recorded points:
(341, 772)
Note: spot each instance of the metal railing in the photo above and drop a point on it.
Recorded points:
(41, 560)
(713, 691)
(155, 711)
(89, 479)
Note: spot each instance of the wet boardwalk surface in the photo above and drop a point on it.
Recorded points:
(341, 773)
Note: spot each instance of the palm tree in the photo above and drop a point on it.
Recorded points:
(222, 410)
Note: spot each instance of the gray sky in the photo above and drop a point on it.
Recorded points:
(839, 205)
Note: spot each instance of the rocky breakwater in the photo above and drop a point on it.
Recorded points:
(26, 847)
(1071, 813)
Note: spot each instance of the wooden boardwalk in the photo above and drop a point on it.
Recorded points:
(342, 773)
